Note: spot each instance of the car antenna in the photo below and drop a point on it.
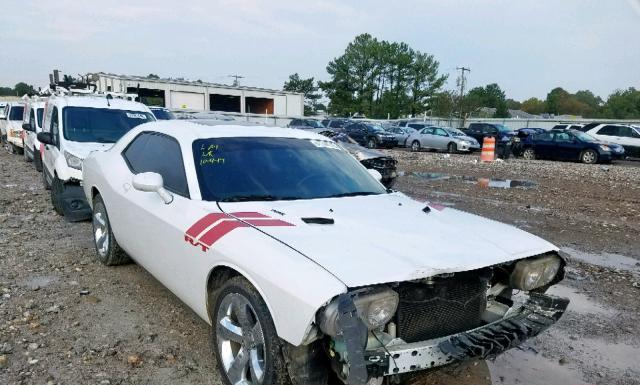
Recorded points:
(109, 96)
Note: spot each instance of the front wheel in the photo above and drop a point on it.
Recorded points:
(248, 348)
(415, 146)
(452, 148)
(37, 160)
(57, 188)
(589, 157)
(107, 248)
(26, 153)
(372, 143)
(529, 154)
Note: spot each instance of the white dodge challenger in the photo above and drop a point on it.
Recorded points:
(303, 263)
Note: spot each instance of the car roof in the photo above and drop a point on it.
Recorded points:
(99, 101)
(192, 130)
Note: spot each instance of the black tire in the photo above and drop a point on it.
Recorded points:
(110, 254)
(25, 153)
(415, 146)
(57, 188)
(37, 160)
(452, 148)
(372, 143)
(274, 370)
(529, 154)
(45, 183)
(589, 156)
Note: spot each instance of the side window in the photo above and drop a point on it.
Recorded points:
(427, 131)
(560, 127)
(489, 129)
(151, 152)
(32, 120)
(53, 128)
(440, 132)
(608, 130)
(625, 131)
(544, 137)
(563, 137)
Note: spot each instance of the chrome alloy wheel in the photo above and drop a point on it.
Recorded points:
(240, 340)
(101, 230)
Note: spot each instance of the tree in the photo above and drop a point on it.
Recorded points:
(308, 88)
(444, 103)
(7, 91)
(153, 76)
(513, 104)
(380, 78)
(533, 106)
(623, 104)
(490, 96)
(23, 88)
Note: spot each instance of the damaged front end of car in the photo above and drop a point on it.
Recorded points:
(387, 330)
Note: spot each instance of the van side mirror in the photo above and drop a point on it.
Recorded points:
(152, 182)
(45, 137)
(26, 127)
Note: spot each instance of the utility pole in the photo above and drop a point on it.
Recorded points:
(462, 83)
(235, 79)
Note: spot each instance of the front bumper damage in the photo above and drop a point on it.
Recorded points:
(538, 313)
(74, 203)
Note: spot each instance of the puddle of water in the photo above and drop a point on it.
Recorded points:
(483, 182)
(580, 303)
(609, 260)
(524, 367)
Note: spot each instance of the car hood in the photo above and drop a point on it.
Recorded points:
(83, 149)
(362, 153)
(467, 138)
(389, 238)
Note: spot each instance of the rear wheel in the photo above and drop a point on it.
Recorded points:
(529, 154)
(589, 157)
(57, 188)
(107, 248)
(415, 146)
(248, 349)
(452, 148)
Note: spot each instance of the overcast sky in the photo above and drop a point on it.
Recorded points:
(526, 46)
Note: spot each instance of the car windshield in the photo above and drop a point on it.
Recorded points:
(100, 125)
(455, 132)
(16, 113)
(163, 114)
(503, 128)
(40, 114)
(376, 128)
(314, 124)
(255, 168)
(585, 137)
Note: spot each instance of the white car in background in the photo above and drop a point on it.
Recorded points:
(303, 263)
(32, 125)
(628, 136)
(76, 126)
(442, 138)
(401, 134)
(11, 126)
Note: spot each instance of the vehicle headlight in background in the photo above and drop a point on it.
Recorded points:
(531, 274)
(73, 161)
(375, 307)
(604, 147)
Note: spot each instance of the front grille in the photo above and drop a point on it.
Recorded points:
(443, 307)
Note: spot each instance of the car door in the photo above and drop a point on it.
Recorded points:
(543, 145)
(609, 133)
(427, 138)
(357, 132)
(156, 230)
(567, 146)
(52, 151)
(440, 138)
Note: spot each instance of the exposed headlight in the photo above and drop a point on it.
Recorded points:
(604, 147)
(375, 307)
(531, 274)
(73, 161)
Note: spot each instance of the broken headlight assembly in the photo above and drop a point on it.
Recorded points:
(534, 273)
(375, 307)
(73, 161)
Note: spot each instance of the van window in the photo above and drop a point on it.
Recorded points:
(16, 113)
(100, 125)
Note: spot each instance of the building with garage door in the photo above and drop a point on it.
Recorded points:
(201, 96)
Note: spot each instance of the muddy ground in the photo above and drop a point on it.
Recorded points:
(66, 319)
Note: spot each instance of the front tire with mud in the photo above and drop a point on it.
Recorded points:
(107, 248)
(247, 347)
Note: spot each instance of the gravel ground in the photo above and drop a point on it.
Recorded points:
(66, 319)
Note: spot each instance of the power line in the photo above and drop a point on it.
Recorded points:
(462, 84)
(235, 79)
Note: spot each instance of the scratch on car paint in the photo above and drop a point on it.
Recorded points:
(212, 227)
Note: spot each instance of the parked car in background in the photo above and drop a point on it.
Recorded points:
(335, 123)
(627, 136)
(76, 126)
(566, 145)
(568, 126)
(11, 126)
(400, 133)
(32, 125)
(162, 113)
(523, 134)
(479, 131)
(377, 284)
(370, 158)
(305, 124)
(370, 135)
(442, 139)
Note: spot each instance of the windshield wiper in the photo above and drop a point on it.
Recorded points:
(352, 194)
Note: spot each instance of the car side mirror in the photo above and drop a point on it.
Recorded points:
(152, 182)
(27, 127)
(45, 137)
(375, 173)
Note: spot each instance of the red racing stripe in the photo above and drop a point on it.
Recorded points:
(203, 223)
(220, 230)
(267, 222)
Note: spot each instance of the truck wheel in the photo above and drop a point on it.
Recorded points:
(529, 154)
(37, 160)
(589, 157)
(57, 188)
(415, 146)
(247, 346)
(452, 148)
(107, 248)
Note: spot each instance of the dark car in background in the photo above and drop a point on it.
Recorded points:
(370, 135)
(479, 131)
(305, 124)
(524, 134)
(162, 113)
(335, 123)
(369, 158)
(566, 145)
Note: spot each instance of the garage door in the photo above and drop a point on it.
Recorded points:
(190, 100)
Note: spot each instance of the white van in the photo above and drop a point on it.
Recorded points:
(32, 125)
(11, 126)
(75, 126)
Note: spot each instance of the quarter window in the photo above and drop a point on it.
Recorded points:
(154, 152)
(609, 130)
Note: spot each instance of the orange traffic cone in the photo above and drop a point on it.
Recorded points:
(488, 150)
